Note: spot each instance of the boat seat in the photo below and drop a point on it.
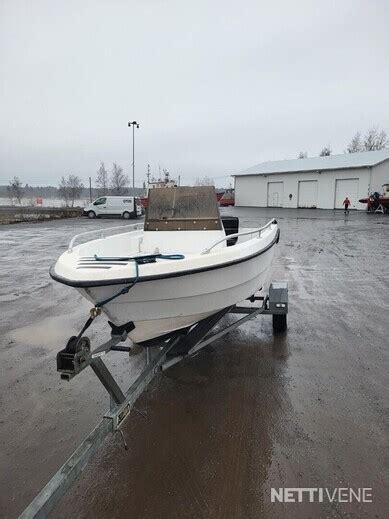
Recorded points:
(171, 242)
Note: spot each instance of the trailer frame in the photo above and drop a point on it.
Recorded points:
(160, 356)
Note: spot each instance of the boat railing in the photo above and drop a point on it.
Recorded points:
(103, 232)
(236, 235)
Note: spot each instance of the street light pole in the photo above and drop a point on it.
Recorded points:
(133, 124)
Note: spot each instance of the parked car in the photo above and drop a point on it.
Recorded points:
(125, 206)
(228, 198)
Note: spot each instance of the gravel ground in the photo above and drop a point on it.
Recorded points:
(251, 412)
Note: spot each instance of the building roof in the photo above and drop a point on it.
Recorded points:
(343, 161)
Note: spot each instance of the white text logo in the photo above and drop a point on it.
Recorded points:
(319, 495)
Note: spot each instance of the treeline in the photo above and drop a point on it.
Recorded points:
(71, 188)
(33, 191)
(373, 140)
(114, 183)
(53, 192)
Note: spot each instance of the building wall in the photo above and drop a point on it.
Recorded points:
(252, 190)
(379, 176)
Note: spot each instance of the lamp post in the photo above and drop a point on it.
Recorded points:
(133, 124)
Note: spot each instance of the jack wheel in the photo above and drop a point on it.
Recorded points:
(279, 323)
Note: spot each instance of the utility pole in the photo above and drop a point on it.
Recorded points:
(133, 124)
(179, 179)
(90, 188)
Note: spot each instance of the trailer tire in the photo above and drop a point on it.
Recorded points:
(279, 323)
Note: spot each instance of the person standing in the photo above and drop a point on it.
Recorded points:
(346, 203)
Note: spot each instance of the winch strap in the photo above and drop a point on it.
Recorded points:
(85, 327)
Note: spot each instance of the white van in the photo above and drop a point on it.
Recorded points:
(124, 206)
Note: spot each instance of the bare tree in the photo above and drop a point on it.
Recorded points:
(63, 191)
(302, 155)
(356, 144)
(204, 181)
(15, 190)
(75, 187)
(70, 189)
(375, 140)
(326, 151)
(119, 181)
(102, 183)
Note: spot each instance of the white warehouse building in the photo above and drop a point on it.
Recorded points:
(321, 182)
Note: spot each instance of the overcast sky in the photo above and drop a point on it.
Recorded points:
(217, 86)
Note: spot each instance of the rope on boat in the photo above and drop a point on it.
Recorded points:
(138, 260)
(123, 291)
(147, 258)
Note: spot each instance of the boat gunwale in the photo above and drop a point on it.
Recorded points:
(157, 277)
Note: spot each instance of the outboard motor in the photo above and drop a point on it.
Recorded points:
(231, 226)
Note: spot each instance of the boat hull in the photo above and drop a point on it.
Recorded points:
(160, 306)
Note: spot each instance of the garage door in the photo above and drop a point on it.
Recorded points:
(275, 194)
(307, 193)
(346, 187)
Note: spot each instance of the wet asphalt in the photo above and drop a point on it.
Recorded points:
(214, 433)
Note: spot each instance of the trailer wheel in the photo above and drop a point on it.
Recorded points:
(279, 322)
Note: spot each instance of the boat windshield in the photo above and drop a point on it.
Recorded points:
(184, 209)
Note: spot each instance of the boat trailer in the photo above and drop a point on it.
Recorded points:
(161, 354)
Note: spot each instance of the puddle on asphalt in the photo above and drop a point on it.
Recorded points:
(47, 332)
(10, 297)
(8, 242)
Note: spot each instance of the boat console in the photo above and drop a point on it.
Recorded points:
(183, 209)
(190, 210)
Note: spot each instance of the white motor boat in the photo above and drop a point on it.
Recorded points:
(178, 269)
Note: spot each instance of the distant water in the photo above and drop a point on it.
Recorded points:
(46, 202)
